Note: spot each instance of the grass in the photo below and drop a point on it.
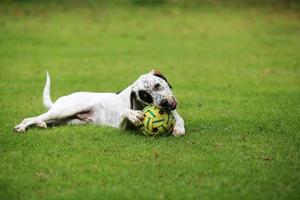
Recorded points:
(235, 72)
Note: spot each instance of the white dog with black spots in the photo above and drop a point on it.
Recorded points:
(121, 110)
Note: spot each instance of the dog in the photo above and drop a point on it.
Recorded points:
(121, 110)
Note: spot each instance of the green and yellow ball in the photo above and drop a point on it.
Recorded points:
(157, 121)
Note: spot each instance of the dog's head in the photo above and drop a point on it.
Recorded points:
(153, 89)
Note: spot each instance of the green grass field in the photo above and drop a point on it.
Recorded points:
(235, 72)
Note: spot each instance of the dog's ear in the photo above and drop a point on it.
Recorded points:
(132, 100)
(158, 74)
(134, 103)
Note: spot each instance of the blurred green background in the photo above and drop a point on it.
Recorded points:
(234, 66)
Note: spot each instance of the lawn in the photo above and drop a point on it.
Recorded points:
(235, 72)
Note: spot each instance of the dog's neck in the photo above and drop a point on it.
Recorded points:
(125, 96)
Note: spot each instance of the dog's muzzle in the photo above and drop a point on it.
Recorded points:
(169, 103)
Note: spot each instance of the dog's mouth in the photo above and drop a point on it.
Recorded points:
(168, 105)
(173, 106)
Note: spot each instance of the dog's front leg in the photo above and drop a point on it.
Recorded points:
(179, 129)
(135, 117)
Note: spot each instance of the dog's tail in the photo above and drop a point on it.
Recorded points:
(46, 93)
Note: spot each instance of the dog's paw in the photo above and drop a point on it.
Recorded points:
(41, 124)
(136, 117)
(19, 129)
(178, 130)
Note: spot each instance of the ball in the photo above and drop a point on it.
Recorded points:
(157, 121)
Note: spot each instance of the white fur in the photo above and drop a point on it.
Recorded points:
(108, 109)
(46, 93)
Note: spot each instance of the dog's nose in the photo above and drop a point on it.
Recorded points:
(164, 103)
(169, 103)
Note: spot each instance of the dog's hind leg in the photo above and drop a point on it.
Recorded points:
(55, 114)
(52, 115)
(39, 121)
(64, 107)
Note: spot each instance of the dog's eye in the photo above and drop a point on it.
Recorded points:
(157, 86)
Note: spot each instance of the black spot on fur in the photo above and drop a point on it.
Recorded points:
(145, 96)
